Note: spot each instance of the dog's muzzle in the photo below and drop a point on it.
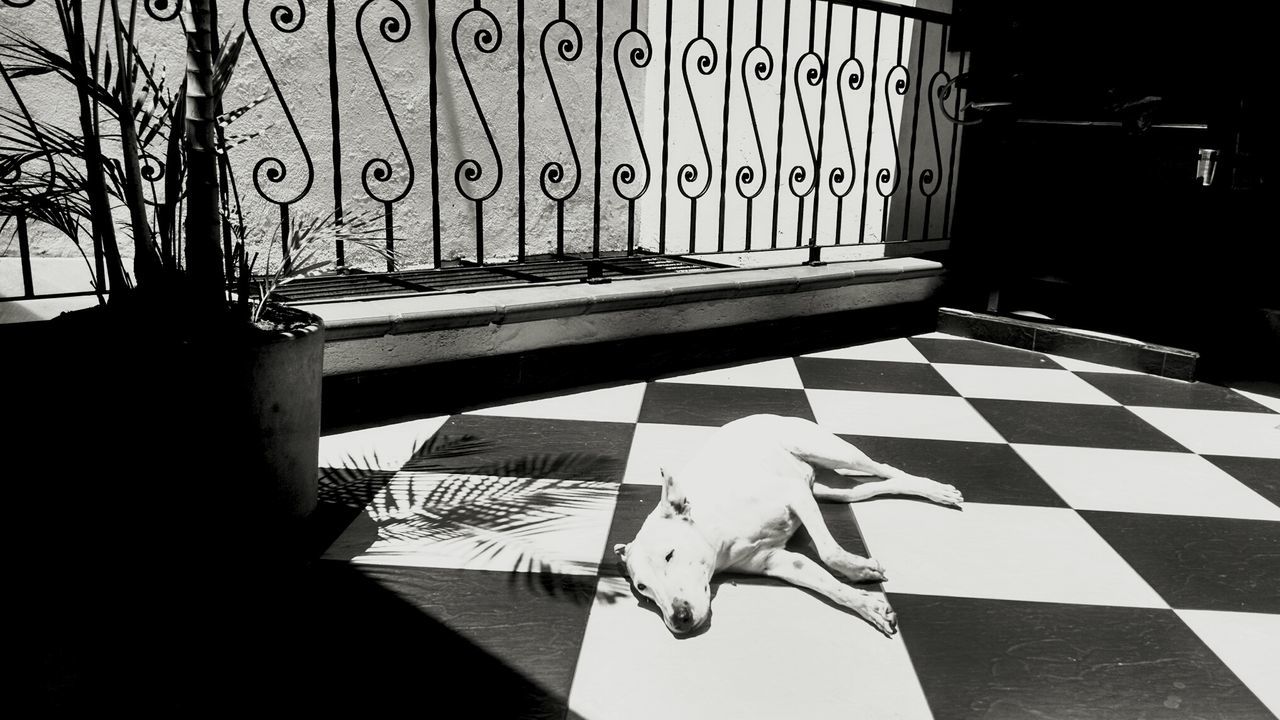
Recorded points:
(682, 617)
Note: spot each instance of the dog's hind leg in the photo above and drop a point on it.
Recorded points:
(854, 567)
(908, 485)
(814, 445)
(800, 570)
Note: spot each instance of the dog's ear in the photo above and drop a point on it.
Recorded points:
(673, 500)
(621, 551)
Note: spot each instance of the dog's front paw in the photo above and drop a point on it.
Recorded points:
(878, 612)
(937, 492)
(860, 569)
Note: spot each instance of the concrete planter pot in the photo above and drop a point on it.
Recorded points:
(215, 427)
(162, 477)
(283, 373)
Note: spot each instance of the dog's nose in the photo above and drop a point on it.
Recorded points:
(682, 618)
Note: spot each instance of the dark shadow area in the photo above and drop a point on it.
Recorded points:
(364, 399)
(1081, 199)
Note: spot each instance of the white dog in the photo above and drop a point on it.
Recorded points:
(736, 502)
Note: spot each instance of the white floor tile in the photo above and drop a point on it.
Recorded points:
(1247, 643)
(1143, 481)
(770, 652)
(933, 417)
(942, 336)
(1017, 383)
(387, 447)
(655, 447)
(1264, 400)
(898, 350)
(616, 404)
(770, 374)
(1086, 366)
(998, 551)
(482, 523)
(1218, 432)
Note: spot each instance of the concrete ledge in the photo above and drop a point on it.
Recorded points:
(1069, 342)
(401, 332)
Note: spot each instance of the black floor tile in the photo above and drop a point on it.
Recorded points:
(520, 447)
(972, 352)
(1199, 563)
(447, 643)
(1145, 390)
(715, 405)
(1004, 659)
(844, 528)
(635, 502)
(983, 472)
(1261, 474)
(872, 376)
(1046, 423)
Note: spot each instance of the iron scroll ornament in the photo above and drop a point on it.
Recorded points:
(163, 10)
(813, 77)
(900, 87)
(706, 63)
(283, 19)
(853, 81)
(762, 70)
(380, 169)
(568, 49)
(487, 40)
(929, 175)
(624, 175)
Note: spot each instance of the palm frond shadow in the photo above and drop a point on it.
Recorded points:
(492, 510)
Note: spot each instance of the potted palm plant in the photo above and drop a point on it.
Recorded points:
(190, 360)
(167, 438)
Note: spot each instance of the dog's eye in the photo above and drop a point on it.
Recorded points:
(673, 552)
(641, 587)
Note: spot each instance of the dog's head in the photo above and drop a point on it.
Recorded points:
(671, 563)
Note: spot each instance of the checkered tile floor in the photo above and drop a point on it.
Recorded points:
(1118, 555)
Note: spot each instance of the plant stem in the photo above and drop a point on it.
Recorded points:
(70, 13)
(146, 263)
(203, 249)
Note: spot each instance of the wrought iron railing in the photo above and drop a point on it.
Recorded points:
(492, 131)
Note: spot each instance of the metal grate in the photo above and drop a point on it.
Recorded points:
(362, 285)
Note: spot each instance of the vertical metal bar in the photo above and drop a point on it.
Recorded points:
(560, 228)
(520, 130)
(285, 231)
(480, 232)
(335, 131)
(595, 237)
(853, 54)
(435, 137)
(888, 109)
(391, 236)
(755, 128)
(951, 174)
(782, 113)
(871, 121)
(666, 134)
(933, 117)
(915, 127)
(822, 120)
(724, 134)
(631, 227)
(24, 252)
(693, 222)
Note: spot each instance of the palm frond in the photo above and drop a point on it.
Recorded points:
(307, 236)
